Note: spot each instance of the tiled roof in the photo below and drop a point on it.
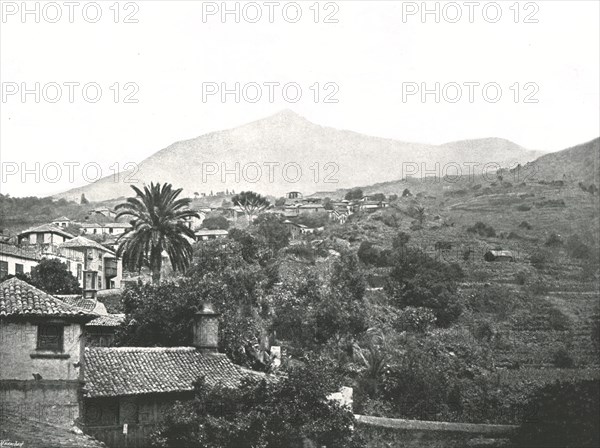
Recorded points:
(47, 228)
(114, 371)
(18, 298)
(62, 218)
(78, 301)
(84, 242)
(20, 252)
(108, 320)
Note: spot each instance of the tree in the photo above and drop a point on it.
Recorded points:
(273, 231)
(158, 225)
(53, 277)
(292, 411)
(419, 213)
(406, 193)
(354, 194)
(83, 200)
(215, 222)
(562, 414)
(251, 202)
(418, 280)
(280, 202)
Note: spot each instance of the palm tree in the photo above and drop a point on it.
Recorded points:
(158, 225)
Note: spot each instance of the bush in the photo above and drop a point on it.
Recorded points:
(290, 412)
(215, 222)
(525, 225)
(418, 280)
(521, 278)
(562, 414)
(562, 359)
(482, 229)
(554, 240)
(577, 248)
(371, 255)
(400, 240)
(416, 320)
(539, 258)
(523, 208)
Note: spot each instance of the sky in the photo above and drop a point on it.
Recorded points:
(526, 71)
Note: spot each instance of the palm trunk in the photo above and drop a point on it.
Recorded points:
(156, 265)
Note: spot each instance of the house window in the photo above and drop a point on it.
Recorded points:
(110, 230)
(3, 269)
(40, 238)
(50, 337)
(18, 268)
(78, 271)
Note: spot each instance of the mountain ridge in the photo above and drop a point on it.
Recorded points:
(285, 151)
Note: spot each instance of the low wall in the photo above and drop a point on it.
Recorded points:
(392, 432)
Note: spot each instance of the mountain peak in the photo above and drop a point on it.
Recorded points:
(286, 116)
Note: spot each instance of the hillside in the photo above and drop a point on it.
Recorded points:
(580, 163)
(344, 159)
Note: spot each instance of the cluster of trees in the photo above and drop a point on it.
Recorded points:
(31, 210)
(290, 412)
(51, 276)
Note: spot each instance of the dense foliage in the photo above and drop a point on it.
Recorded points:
(53, 277)
(290, 411)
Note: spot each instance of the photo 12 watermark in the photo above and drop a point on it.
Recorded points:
(270, 12)
(69, 12)
(69, 92)
(270, 92)
(470, 92)
(54, 172)
(470, 12)
(269, 172)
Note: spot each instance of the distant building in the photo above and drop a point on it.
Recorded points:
(46, 234)
(206, 234)
(294, 195)
(104, 211)
(311, 208)
(95, 266)
(499, 255)
(63, 221)
(107, 228)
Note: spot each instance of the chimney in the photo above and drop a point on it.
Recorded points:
(206, 329)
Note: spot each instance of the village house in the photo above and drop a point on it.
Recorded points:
(63, 221)
(107, 228)
(296, 230)
(104, 211)
(207, 234)
(17, 260)
(499, 255)
(95, 266)
(44, 235)
(150, 379)
(99, 332)
(294, 195)
(41, 353)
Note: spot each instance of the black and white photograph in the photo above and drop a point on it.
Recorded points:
(299, 224)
